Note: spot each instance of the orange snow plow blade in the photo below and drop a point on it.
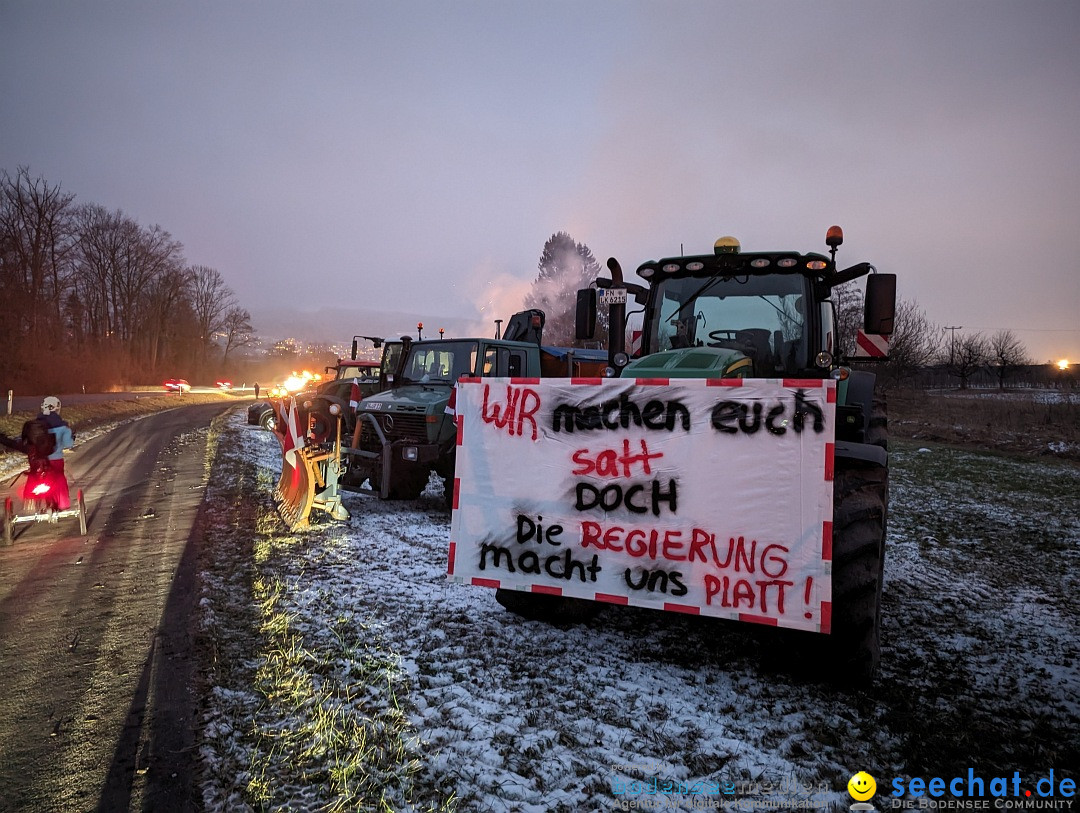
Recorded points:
(295, 492)
(309, 479)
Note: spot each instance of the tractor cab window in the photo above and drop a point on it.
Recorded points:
(763, 317)
(443, 362)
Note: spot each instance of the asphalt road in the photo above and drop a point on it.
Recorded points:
(96, 672)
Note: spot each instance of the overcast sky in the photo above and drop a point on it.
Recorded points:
(414, 156)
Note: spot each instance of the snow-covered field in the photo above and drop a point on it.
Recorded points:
(344, 672)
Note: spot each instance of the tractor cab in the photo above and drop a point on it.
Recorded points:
(734, 314)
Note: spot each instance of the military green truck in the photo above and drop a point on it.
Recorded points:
(735, 314)
(407, 432)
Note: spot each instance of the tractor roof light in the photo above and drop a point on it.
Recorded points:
(834, 237)
(694, 266)
(671, 268)
(816, 265)
(646, 272)
(787, 262)
(726, 245)
(761, 262)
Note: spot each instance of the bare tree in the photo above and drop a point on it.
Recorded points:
(238, 331)
(211, 300)
(36, 233)
(119, 263)
(168, 300)
(1007, 354)
(914, 342)
(965, 356)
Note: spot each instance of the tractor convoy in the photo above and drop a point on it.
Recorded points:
(727, 315)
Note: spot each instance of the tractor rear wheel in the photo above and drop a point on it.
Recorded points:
(860, 511)
(543, 607)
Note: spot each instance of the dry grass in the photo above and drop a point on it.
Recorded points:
(1032, 422)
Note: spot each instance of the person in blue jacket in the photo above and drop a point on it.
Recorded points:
(65, 439)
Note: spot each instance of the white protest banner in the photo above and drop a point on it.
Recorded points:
(711, 497)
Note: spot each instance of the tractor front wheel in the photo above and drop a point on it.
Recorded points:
(407, 482)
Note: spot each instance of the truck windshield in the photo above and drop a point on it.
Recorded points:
(441, 362)
(765, 314)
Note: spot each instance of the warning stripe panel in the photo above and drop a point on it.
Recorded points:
(450, 559)
(871, 345)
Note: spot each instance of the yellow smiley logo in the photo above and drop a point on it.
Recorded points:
(861, 786)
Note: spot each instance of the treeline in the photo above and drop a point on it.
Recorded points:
(91, 298)
(922, 353)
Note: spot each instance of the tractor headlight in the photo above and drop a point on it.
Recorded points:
(409, 453)
(335, 409)
(621, 360)
(823, 360)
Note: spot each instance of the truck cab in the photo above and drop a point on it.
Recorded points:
(404, 433)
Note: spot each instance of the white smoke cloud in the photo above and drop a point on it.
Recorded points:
(496, 294)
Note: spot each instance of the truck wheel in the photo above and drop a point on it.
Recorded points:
(269, 421)
(407, 483)
(9, 521)
(860, 510)
(542, 607)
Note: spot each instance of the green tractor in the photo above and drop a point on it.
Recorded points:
(734, 314)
